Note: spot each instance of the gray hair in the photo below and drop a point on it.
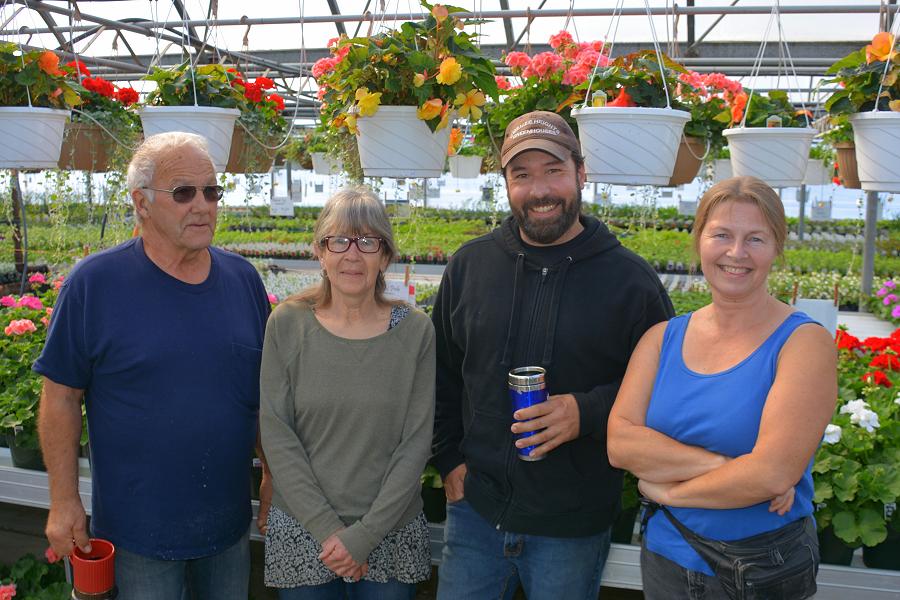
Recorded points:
(142, 167)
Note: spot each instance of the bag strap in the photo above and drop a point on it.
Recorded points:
(707, 549)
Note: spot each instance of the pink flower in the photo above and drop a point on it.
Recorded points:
(32, 302)
(517, 61)
(45, 321)
(879, 293)
(323, 66)
(896, 312)
(37, 278)
(575, 75)
(49, 311)
(8, 301)
(19, 327)
(273, 299)
(58, 282)
(890, 284)
(889, 299)
(588, 58)
(7, 591)
(50, 555)
(502, 82)
(544, 64)
(563, 38)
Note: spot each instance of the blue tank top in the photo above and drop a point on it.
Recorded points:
(720, 412)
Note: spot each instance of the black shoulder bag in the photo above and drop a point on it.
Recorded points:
(776, 565)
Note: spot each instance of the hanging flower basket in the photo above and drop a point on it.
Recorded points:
(630, 146)
(247, 155)
(465, 167)
(691, 152)
(86, 147)
(845, 153)
(31, 137)
(877, 139)
(215, 124)
(777, 155)
(322, 164)
(395, 143)
(816, 173)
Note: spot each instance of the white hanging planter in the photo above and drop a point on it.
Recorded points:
(215, 124)
(777, 155)
(31, 137)
(630, 146)
(394, 142)
(722, 169)
(816, 173)
(326, 165)
(877, 139)
(465, 167)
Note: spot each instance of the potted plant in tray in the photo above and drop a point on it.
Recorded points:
(840, 137)
(104, 128)
(321, 147)
(200, 100)
(398, 91)
(259, 128)
(857, 468)
(464, 156)
(632, 126)
(772, 141)
(820, 166)
(35, 100)
(870, 96)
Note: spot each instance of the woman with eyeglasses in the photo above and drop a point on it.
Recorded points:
(346, 413)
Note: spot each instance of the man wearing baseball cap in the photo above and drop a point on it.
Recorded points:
(551, 288)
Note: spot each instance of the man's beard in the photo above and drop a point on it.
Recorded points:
(547, 231)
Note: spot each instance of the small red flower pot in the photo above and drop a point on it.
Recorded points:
(94, 572)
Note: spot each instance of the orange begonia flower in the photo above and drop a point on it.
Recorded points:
(450, 71)
(737, 107)
(49, 63)
(456, 138)
(431, 109)
(880, 48)
(439, 12)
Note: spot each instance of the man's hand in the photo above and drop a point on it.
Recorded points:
(454, 483)
(67, 522)
(559, 418)
(265, 501)
(337, 558)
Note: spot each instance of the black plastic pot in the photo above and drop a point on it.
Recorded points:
(885, 555)
(25, 458)
(832, 549)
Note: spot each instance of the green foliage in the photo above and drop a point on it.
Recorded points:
(20, 388)
(176, 86)
(36, 580)
(775, 103)
(859, 79)
(34, 74)
(431, 477)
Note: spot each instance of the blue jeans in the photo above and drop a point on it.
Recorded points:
(667, 580)
(484, 563)
(338, 589)
(222, 576)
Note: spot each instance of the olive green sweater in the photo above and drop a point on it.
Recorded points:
(346, 424)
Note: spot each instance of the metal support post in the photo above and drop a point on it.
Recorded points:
(801, 221)
(868, 265)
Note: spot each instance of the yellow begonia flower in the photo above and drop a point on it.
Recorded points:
(880, 48)
(350, 122)
(367, 103)
(894, 105)
(469, 102)
(430, 109)
(418, 80)
(450, 71)
(445, 118)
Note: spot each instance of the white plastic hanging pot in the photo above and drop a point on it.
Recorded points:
(215, 124)
(777, 155)
(816, 173)
(722, 169)
(630, 146)
(31, 137)
(877, 139)
(326, 165)
(394, 142)
(465, 167)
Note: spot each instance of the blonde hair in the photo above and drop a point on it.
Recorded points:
(351, 211)
(743, 189)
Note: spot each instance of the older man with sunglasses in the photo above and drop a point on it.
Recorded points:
(161, 338)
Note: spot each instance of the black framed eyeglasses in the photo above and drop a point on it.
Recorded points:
(367, 244)
(185, 193)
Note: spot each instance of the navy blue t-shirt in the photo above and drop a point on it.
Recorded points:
(171, 378)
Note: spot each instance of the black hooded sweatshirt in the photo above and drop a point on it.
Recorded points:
(578, 310)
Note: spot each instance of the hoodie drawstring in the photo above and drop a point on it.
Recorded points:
(512, 329)
(553, 315)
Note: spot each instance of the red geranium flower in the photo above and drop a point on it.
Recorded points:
(278, 100)
(877, 378)
(99, 85)
(127, 96)
(252, 92)
(264, 83)
(78, 66)
(886, 361)
(836, 180)
(845, 341)
(876, 344)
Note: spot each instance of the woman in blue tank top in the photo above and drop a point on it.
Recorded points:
(722, 409)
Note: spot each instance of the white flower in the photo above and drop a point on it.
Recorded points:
(854, 406)
(897, 399)
(866, 419)
(832, 434)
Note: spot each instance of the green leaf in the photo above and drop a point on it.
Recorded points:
(823, 491)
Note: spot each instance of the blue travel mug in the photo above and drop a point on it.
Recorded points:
(527, 387)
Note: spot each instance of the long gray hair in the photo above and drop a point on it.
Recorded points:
(351, 211)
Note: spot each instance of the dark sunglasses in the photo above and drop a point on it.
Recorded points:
(185, 193)
(340, 243)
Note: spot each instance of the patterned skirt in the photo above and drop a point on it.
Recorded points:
(292, 554)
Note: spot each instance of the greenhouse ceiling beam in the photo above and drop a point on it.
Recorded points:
(335, 10)
(146, 29)
(91, 61)
(182, 12)
(507, 26)
(52, 25)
